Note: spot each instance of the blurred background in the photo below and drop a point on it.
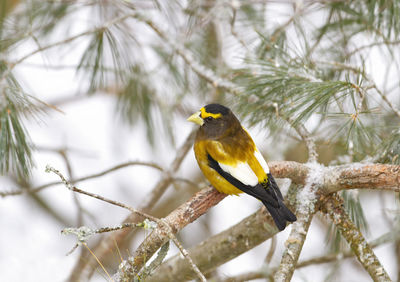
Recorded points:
(89, 85)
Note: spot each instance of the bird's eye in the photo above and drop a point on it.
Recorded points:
(208, 118)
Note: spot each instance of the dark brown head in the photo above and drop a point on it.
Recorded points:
(216, 121)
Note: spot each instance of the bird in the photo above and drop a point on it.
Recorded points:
(230, 160)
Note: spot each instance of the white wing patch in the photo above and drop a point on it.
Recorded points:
(242, 172)
(261, 160)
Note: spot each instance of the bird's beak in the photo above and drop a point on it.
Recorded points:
(196, 119)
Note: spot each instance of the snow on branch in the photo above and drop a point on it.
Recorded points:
(306, 200)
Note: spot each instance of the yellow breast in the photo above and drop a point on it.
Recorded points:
(216, 180)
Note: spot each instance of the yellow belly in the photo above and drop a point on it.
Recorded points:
(219, 183)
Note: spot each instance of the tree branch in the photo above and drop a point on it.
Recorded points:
(334, 207)
(362, 176)
(200, 203)
(219, 248)
(101, 198)
(388, 237)
(306, 200)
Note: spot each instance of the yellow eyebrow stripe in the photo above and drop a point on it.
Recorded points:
(204, 114)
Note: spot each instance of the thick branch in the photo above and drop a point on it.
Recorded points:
(252, 275)
(360, 247)
(365, 176)
(220, 248)
(337, 178)
(200, 203)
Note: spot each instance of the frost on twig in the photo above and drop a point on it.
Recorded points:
(83, 233)
(306, 200)
(363, 251)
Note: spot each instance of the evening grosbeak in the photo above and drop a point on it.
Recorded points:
(232, 163)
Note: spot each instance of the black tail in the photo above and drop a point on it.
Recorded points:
(280, 215)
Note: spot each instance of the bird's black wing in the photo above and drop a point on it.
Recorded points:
(261, 192)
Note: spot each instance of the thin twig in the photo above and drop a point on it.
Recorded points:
(64, 156)
(386, 100)
(86, 232)
(86, 266)
(101, 198)
(185, 254)
(309, 140)
(80, 179)
(373, 44)
(367, 77)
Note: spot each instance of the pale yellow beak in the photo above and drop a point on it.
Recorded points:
(196, 119)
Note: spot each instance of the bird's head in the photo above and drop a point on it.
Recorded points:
(215, 120)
